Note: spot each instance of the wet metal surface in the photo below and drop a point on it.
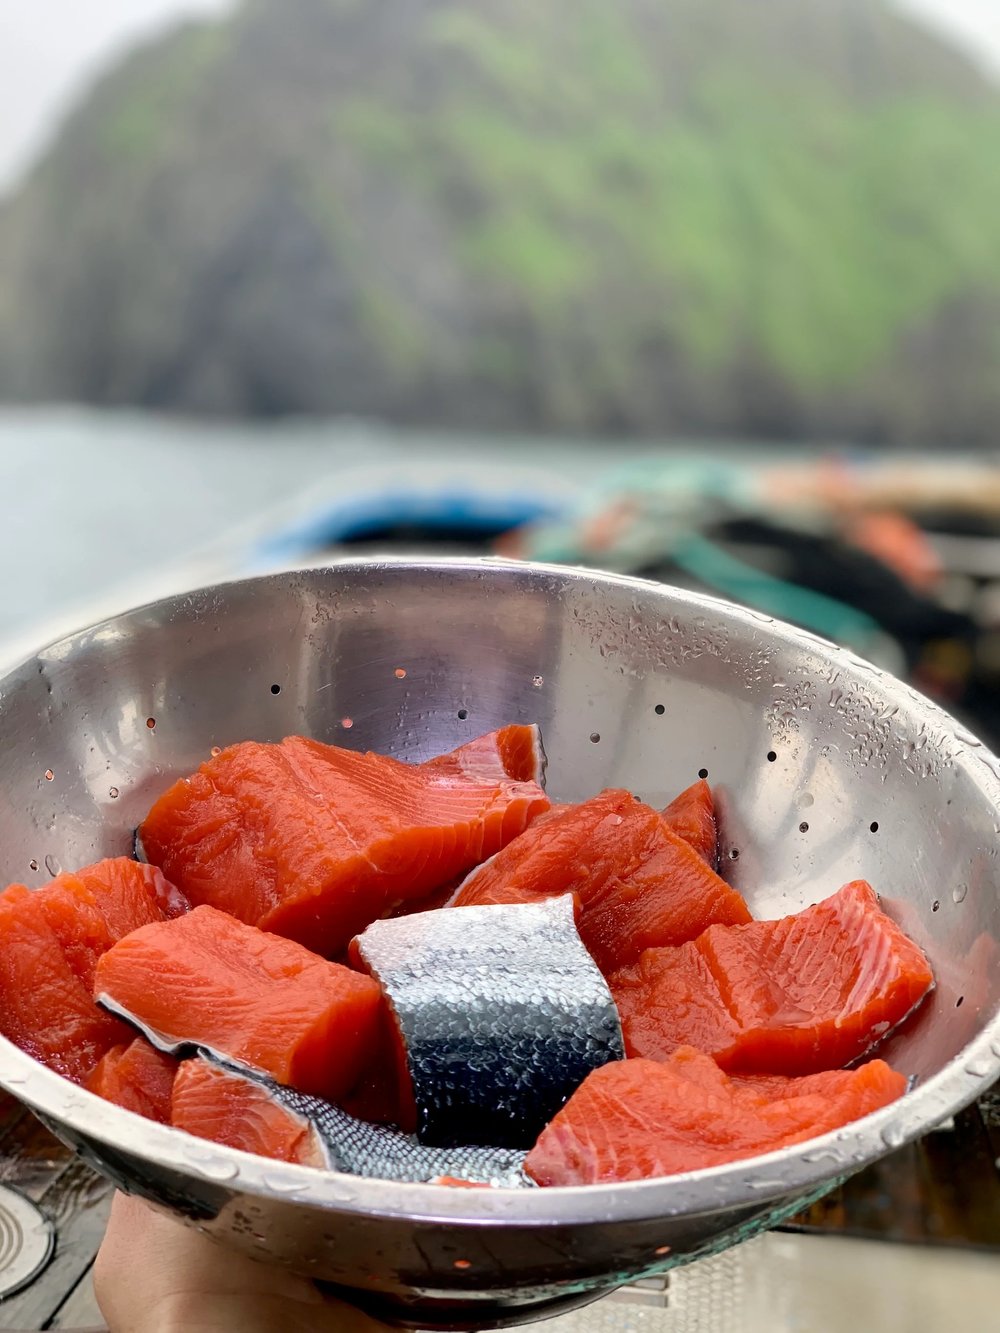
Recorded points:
(669, 684)
(27, 1239)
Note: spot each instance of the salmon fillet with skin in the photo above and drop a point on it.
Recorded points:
(638, 1119)
(138, 1077)
(213, 1104)
(691, 815)
(808, 992)
(638, 883)
(206, 979)
(315, 842)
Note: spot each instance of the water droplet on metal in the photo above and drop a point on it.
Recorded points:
(767, 1183)
(279, 1185)
(827, 1155)
(114, 793)
(968, 739)
(52, 864)
(979, 1069)
(893, 1136)
(537, 682)
(959, 893)
(207, 1164)
(339, 1195)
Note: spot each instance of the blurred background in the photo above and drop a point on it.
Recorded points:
(700, 289)
(703, 290)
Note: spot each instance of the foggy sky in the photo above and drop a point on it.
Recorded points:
(51, 50)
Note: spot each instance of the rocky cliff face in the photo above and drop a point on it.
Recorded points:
(652, 216)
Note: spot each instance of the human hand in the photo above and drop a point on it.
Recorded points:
(155, 1275)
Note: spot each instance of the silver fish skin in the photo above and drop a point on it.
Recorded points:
(379, 1152)
(502, 1011)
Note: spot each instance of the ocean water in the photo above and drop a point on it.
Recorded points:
(95, 505)
(102, 510)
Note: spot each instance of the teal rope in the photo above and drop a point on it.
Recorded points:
(742, 583)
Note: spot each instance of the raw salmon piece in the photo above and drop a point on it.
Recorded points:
(638, 883)
(90, 910)
(72, 914)
(808, 992)
(213, 1103)
(44, 1007)
(206, 979)
(639, 1119)
(692, 817)
(512, 752)
(383, 1094)
(315, 842)
(138, 1077)
(131, 894)
(267, 1118)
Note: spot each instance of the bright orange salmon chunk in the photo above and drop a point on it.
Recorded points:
(138, 1077)
(639, 884)
(225, 1108)
(635, 1119)
(315, 842)
(807, 992)
(208, 980)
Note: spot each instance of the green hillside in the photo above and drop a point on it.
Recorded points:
(780, 217)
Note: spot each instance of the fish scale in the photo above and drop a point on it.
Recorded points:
(361, 1149)
(502, 1014)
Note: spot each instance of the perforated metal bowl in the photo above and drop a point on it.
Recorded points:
(826, 770)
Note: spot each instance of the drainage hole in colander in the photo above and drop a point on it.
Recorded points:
(150, 722)
(734, 854)
(463, 713)
(771, 756)
(873, 826)
(347, 723)
(935, 905)
(275, 689)
(703, 772)
(659, 710)
(595, 737)
(32, 864)
(959, 1002)
(803, 827)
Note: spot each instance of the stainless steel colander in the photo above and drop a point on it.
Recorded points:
(826, 770)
